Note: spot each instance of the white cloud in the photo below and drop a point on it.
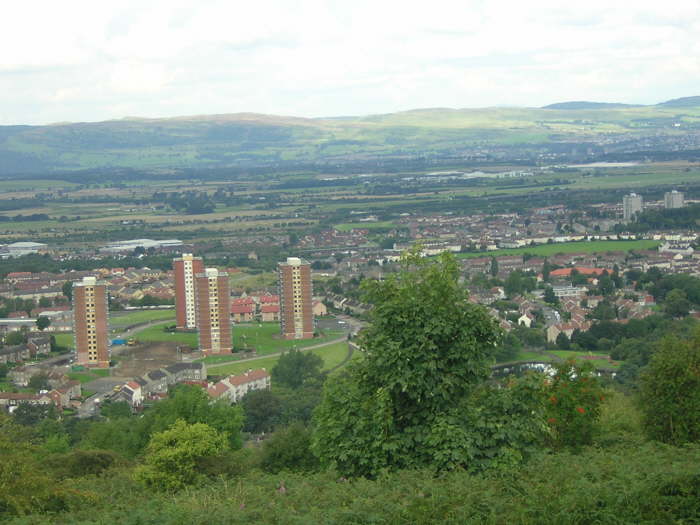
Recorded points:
(86, 60)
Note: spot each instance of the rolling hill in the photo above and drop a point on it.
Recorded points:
(566, 131)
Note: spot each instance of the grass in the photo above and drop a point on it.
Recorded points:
(332, 356)
(83, 377)
(531, 356)
(568, 247)
(64, 339)
(264, 338)
(600, 362)
(155, 334)
(131, 318)
(365, 225)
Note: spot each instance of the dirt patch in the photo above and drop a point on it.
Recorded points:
(134, 361)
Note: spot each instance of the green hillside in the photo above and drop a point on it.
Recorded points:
(248, 139)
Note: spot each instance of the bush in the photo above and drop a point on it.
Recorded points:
(670, 391)
(573, 407)
(172, 455)
(289, 449)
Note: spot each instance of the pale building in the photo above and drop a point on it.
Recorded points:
(296, 302)
(673, 199)
(185, 268)
(631, 205)
(213, 311)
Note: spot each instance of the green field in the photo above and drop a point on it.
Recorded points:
(88, 375)
(131, 318)
(265, 338)
(365, 225)
(64, 339)
(568, 247)
(332, 356)
(155, 334)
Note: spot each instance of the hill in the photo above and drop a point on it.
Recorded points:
(582, 104)
(684, 102)
(566, 132)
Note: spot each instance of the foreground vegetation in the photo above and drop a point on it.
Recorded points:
(415, 431)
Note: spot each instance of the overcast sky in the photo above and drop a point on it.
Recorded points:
(96, 60)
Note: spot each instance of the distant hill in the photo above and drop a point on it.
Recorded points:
(576, 131)
(684, 102)
(582, 104)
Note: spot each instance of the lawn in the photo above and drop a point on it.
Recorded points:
(598, 360)
(87, 376)
(156, 334)
(531, 356)
(365, 225)
(264, 338)
(332, 356)
(142, 316)
(568, 247)
(64, 339)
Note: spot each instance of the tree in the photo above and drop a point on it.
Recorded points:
(294, 368)
(39, 381)
(494, 267)
(67, 289)
(575, 397)
(289, 449)
(670, 391)
(30, 415)
(172, 455)
(44, 302)
(4, 369)
(676, 303)
(262, 411)
(43, 322)
(546, 269)
(563, 341)
(415, 400)
(550, 297)
(16, 338)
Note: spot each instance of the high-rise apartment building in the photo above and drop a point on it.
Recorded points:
(673, 199)
(296, 305)
(213, 304)
(631, 205)
(185, 268)
(90, 315)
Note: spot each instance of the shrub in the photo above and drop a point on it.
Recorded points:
(670, 391)
(574, 397)
(289, 449)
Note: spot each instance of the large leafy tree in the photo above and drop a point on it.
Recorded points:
(416, 399)
(294, 368)
(172, 456)
(670, 391)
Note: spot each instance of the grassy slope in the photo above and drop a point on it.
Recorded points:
(190, 142)
(568, 247)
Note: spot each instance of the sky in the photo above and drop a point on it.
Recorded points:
(98, 60)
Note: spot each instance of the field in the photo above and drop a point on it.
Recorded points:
(132, 318)
(332, 355)
(154, 334)
(261, 337)
(265, 339)
(568, 247)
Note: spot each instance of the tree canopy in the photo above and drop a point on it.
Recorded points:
(419, 398)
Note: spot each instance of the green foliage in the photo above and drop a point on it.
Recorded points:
(670, 391)
(43, 322)
(289, 448)
(294, 368)
(262, 411)
(412, 402)
(4, 369)
(115, 409)
(550, 297)
(563, 342)
(15, 338)
(79, 463)
(30, 415)
(676, 303)
(171, 457)
(129, 436)
(39, 381)
(574, 400)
